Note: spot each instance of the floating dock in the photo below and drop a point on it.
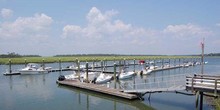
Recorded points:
(12, 73)
(98, 88)
(167, 68)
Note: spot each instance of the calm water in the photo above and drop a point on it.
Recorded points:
(40, 92)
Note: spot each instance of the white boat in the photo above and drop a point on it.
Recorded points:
(145, 72)
(91, 76)
(206, 62)
(71, 76)
(76, 67)
(102, 78)
(33, 68)
(153, 67)
(125, 75)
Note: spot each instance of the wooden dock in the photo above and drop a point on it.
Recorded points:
(98, 88)
(166, 68)
(203, 83)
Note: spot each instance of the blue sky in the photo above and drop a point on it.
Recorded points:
(50, 27)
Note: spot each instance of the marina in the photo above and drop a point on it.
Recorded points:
(159, 80)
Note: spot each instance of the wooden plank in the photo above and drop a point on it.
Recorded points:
(98, 88)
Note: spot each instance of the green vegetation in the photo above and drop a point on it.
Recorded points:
(217, 104)
(15, 55)
(21, 60)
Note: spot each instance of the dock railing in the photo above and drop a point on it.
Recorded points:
(156, 84)
(204, 83)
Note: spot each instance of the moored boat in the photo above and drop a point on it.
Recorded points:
(126, 75)
(102, 78)
(33, 68)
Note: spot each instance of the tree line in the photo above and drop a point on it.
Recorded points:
(16, 55)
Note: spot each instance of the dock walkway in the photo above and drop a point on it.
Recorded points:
(203, 83)
(98, 88)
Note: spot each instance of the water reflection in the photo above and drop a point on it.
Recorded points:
(93, 99)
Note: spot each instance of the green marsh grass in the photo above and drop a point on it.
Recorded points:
(85, 58)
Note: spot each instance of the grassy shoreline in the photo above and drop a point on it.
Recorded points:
(24, 60)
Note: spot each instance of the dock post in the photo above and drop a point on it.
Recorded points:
(104, 64)
(78, 67)
(179, 61)
(25, 62)
(197, 99)
(169, 62)
(10, 71)
(87, 70)
(101, 65)
(124, 63)
(43, 65)
(201, 101)
(60, 65)
(115, 75)
(162, 63)
(154, 63)
(93, 64)
(215, 90)
(134, 65)
(120, 68)
(174, 62)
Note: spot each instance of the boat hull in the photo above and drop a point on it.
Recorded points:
(33, 71)
(101, 81)
(126, 76)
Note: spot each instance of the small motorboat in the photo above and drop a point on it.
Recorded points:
(71, 76)
(145, 72)
(33, 68)
(126, 75)
(102, 78)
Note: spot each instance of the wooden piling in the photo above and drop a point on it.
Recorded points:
(174, 62)
(115, 75)
(93, 64)
(102, 65)
(134, 65)
(87, 70)
(25, 62)
(124, 62)
(43, 65)
(78, 65)
(201, 101)
(60, 64)
(10, 71)
(169, 62)
(197, 99)
(215, 91)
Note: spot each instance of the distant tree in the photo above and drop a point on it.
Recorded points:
(15, 55)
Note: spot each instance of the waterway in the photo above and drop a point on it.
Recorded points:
(40, 92)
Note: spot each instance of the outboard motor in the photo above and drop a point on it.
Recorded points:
(61, 78)
(94, 80)
(141, 72)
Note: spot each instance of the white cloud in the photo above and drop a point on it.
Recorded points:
(101, 26)
(186, 31)
(6, 13)
(36, 26)
(103, 32)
